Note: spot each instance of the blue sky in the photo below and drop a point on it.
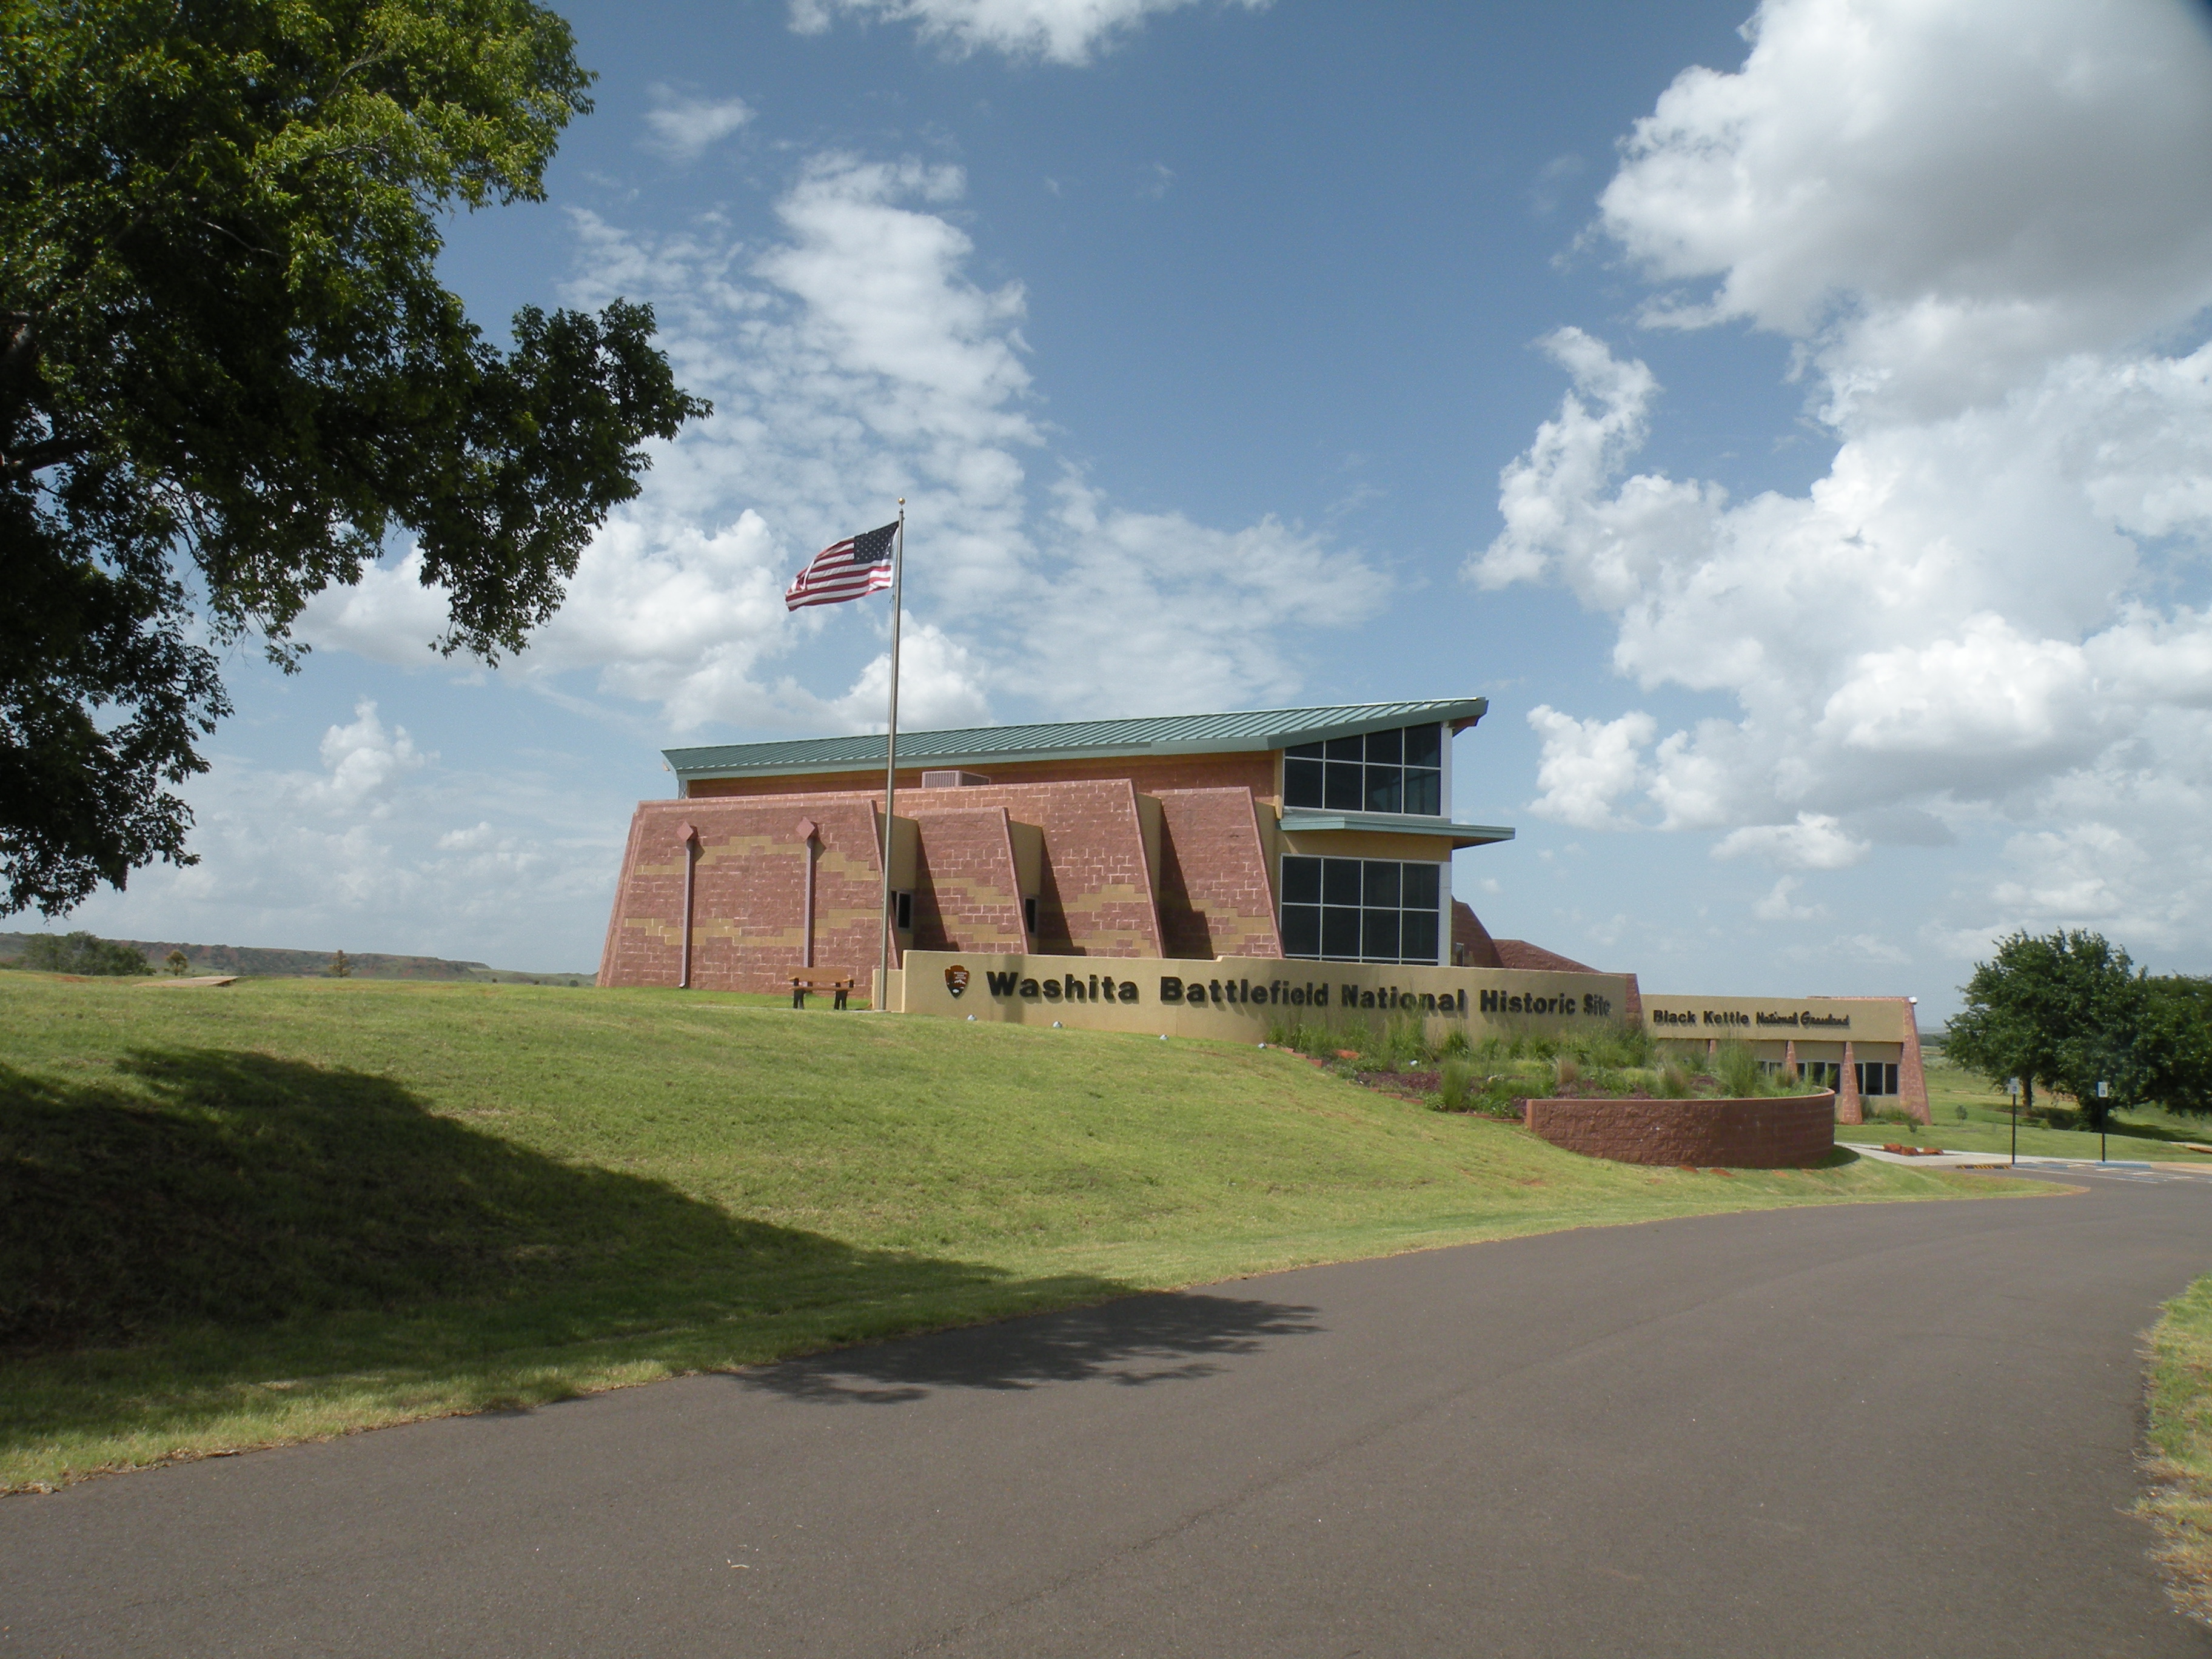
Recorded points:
(1794, 426)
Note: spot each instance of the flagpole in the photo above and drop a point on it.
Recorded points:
(890, 759)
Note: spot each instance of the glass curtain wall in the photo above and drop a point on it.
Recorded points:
(1397, 771)
(1362, 909)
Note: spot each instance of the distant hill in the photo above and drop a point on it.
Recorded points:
(258, 962)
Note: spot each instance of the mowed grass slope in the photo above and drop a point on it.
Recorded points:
(289, 1208)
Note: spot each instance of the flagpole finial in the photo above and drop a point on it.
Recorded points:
(901, 501)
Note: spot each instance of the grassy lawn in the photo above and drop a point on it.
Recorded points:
(2180, 1503)
(1970, 1117)
(291, 1208)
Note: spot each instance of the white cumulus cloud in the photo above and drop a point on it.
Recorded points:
(1056, 31)
(1588, 765)
(1815, 841)
(684, 128)
(851, 360)
(1984, 229)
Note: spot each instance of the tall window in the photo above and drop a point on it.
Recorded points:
(1399, 771)
(1876, 1077)
(1361, 909)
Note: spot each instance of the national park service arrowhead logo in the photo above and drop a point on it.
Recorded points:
(955, 979)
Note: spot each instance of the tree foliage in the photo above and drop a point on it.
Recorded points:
(82, 953)
(229, 376)
(2170, 1062)
(2070, 1010)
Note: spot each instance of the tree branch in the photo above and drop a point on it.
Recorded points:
(47, 453)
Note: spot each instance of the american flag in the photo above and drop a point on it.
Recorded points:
(844, 570)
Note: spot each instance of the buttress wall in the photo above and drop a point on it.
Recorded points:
(1099, 892)
(1216, 899)
(750, 926)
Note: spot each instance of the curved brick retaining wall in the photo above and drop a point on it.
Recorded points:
(1784, 1132)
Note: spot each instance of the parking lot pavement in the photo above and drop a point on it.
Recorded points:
(1882, 1430)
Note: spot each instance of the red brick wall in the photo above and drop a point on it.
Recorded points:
(1471, 945)
(1849, 1107)
(1096, 896)
(1215, 898)
(1911, 1072)
(748, 913)
(1254, 770)
(747, 933)
(1787, 1133)
(966, 895)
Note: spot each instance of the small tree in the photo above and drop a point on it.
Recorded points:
(340, 968)
(176, 962)
(2061, 1011)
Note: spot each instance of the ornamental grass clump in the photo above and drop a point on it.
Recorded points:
(1736, 1069)
(1673, 1083)
(1617, 1045)
(1455, 1085)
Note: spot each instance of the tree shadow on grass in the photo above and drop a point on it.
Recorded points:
(236, 1190)
(1134, 1341)
(212, 1224)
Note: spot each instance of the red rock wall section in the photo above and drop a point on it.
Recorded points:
(1912, 1070)
(1471, 945)
(1096, 898)
(1215, 898)
(1787, 1133)
(967, 896)
(749, 924)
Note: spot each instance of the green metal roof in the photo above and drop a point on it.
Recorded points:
(1168, 734)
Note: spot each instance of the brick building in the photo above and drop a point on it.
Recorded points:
(1324, 834)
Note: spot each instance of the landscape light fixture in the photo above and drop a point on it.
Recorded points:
(2104, 1094)
(2012, 1094)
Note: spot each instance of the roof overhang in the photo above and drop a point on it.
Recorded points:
(1296, 821)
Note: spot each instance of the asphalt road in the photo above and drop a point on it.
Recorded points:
(1897, 1430)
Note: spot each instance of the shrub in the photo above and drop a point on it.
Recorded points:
(1499, 1096)
(1674, 1082)
(1455, 1085)
(82, 953)
(1736, 1070)
(1455, 1042)
(1616, 1046)
(1304, 1034)
(1403, 1040)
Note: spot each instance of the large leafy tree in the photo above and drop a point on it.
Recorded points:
(2060, 1010)
(2169, 1060)
(229, 376)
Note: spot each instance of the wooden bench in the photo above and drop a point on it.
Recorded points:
(800, 985)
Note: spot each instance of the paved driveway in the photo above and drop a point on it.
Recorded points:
(1898, 1430)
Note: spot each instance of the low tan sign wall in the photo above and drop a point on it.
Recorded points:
(1235, 997)
(1778, 1019)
